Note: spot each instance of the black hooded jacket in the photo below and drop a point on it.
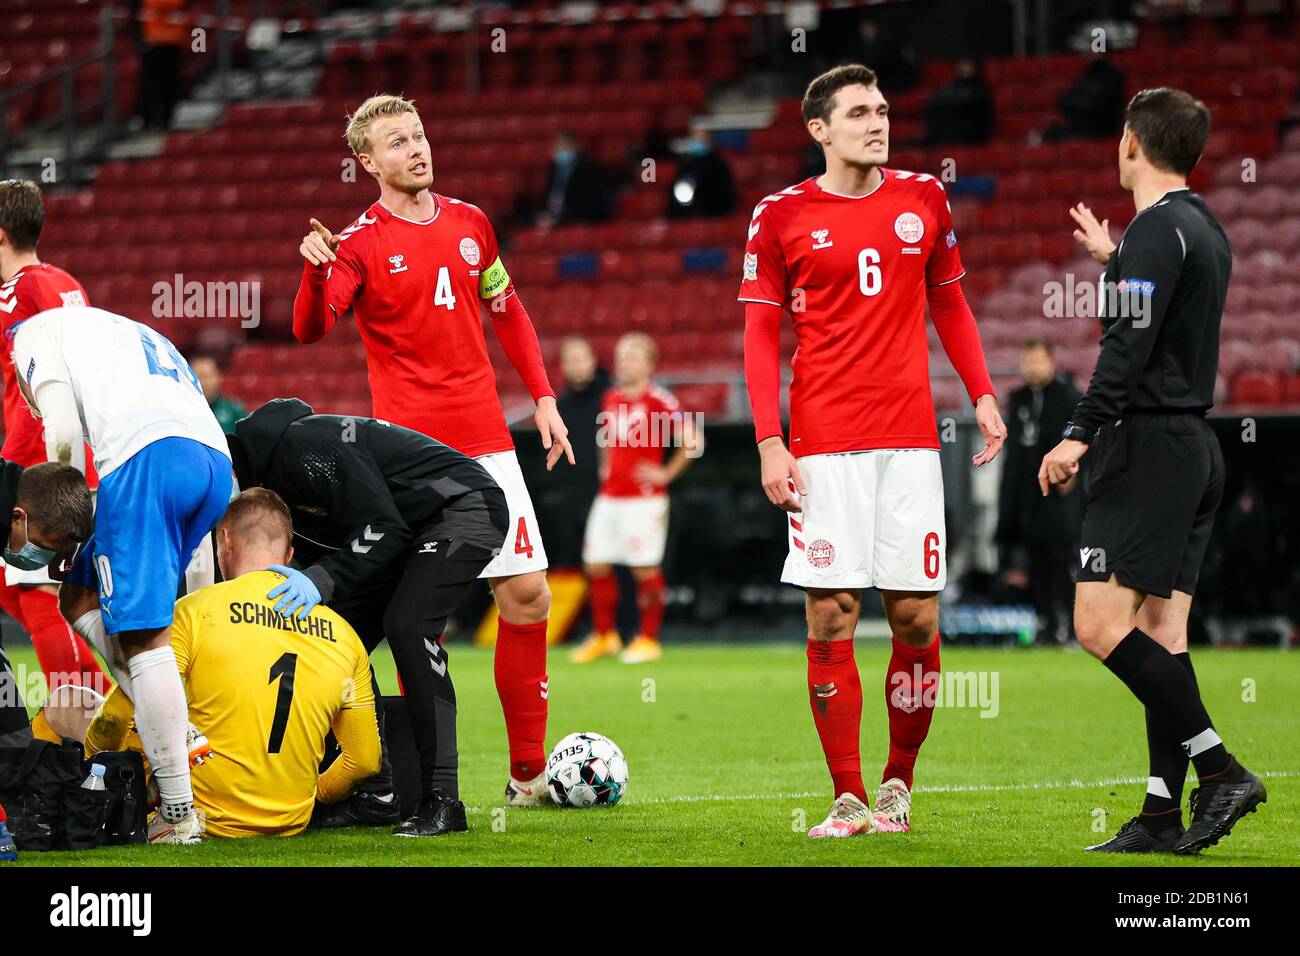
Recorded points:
(359, 489)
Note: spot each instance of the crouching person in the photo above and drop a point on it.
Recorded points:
(265, 689)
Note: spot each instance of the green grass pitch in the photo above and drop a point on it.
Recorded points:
(726, 768)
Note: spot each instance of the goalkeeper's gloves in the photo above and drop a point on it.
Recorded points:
(298, 595)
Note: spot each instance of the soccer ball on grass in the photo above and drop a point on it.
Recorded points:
(585, 770)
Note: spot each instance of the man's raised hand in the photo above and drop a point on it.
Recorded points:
(1094, 236)
(320, 245)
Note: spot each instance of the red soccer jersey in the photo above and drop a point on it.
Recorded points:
(853, 273)
(636, 430)
(414, 288)
(30, 290)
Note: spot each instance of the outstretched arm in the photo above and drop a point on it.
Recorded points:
(329, 284)
(960, 337)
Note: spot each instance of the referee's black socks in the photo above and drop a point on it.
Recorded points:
(1169, 761)
(1166, 688)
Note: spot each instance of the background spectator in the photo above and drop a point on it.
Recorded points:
(1093, 106)
(163, 31)
(879, 50)
(962, 111)
(579, 404)
(704, 185)
(227, 410)
(1037, 535)
(575, 186)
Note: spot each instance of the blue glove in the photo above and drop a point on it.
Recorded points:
(299, 593)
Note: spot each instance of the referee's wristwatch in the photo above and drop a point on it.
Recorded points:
(1076, 433)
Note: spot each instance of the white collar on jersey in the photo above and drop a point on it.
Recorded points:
(831, 192)
(437, 208)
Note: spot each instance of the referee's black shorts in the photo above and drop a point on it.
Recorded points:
(1153, 485)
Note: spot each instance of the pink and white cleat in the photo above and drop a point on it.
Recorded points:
(893, 807)
(849, 816)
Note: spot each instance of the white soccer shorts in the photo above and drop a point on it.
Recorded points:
(870, 519)
(628, 531)
(522, 551)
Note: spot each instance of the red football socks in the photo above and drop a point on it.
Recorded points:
(603, 592)
(650, 601)
(911, 671)
(835, 694)
(63, 655)
(520, 669)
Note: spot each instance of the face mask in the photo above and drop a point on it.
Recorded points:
(32, 557)
(697, 148)
(564, 156)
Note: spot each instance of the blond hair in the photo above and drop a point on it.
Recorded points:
(642, 341)
(382, 104)
(259, 514)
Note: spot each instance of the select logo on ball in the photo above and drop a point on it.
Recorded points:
(820, 553)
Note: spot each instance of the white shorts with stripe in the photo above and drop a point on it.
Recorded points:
(870, 519)
(523, 550)
(628, 531)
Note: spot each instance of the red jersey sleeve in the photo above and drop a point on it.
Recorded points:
(764, 278)
(26, 295)
(494, 281)
(944, 264)
(324, 294)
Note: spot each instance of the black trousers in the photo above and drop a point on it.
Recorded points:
(15, 730)
(410, 608)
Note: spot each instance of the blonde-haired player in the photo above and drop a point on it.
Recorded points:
(267, 689)
(628, 523)
(414, 268)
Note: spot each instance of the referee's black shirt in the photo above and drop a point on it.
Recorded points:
(1161, 306)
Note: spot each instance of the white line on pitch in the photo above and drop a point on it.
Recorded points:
(959, 788)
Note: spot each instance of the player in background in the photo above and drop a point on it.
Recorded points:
(164, 481)
(628, 523)
(270, 687)
(414, 268)
(29, 286)
(854, 255)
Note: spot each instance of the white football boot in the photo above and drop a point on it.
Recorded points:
(532, 793)
(893, 807)
(186, 832)
(849, 816)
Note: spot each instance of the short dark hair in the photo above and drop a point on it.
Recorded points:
(22, 212)
(56, 499)
(1172, 127)
(1028, 345)
(818, 98)
(259, 513)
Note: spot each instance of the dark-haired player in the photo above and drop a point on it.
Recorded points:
(855, 255)
(1156, 476)
(29, 286)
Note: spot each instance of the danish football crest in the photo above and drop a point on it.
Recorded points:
(909, 228)
(821, 553)
(469, 251)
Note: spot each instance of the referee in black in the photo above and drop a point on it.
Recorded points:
(1156, 475)
(391, 529)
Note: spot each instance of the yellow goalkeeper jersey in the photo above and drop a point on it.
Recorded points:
(266, 690)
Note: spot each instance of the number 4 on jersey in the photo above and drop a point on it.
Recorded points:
(442, 294)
